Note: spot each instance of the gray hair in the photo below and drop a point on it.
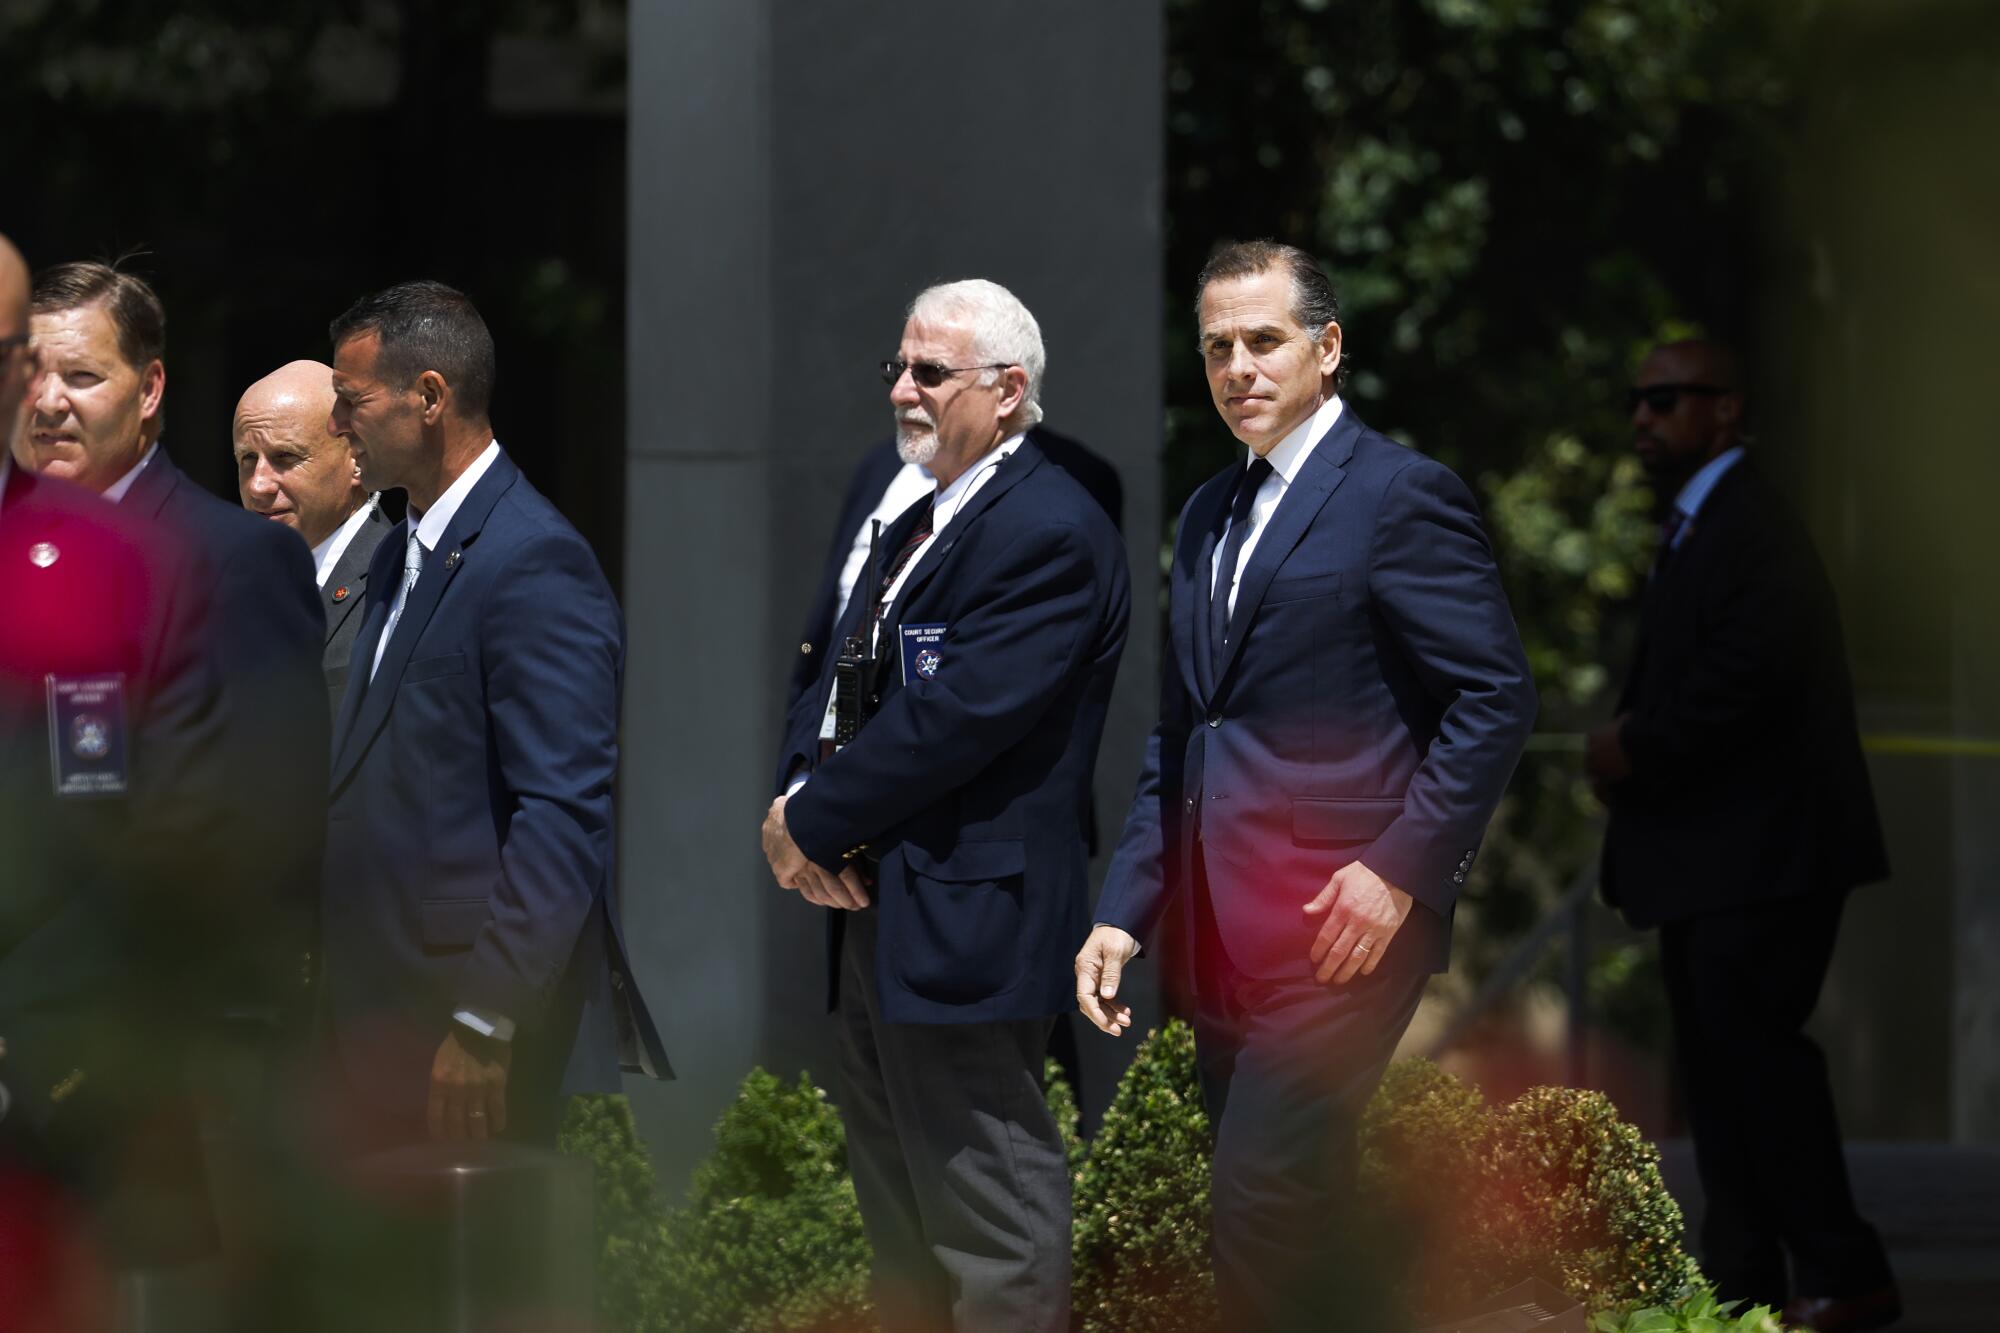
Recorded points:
(1003, 332)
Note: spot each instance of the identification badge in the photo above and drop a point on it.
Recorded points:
(923, 652)
(87, 735)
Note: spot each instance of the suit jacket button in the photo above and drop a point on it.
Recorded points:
(1190, 802)
(1215, 719)
(805, 647)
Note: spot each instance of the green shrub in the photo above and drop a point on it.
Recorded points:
(770, 1237)
(1696, 1311)
(1141, 1199)
(630, 1222)
(1062, 1105)
(1553, 1185)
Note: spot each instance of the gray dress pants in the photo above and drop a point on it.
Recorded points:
(957, 1163)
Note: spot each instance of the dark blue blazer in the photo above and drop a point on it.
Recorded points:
(969, 785)
(1748, 782)
(864, 491)
(127, 921)
(253, 880)
(471, 839)
(1371, 704)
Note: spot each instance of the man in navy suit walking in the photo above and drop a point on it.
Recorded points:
(948, 831)
(475, 968)
(1344, 699)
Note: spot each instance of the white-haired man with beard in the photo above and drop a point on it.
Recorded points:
(942, 825)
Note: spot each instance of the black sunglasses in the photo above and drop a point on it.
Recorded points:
(1663, 398)
(929, 374)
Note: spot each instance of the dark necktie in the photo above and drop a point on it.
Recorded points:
(917, 537)
(1676, 523)
(1232, 549)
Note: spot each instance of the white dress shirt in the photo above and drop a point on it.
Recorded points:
(908, 486)
(327, 554)
(116, 490)
(944, 508)
(1285, 458)
(430, 527)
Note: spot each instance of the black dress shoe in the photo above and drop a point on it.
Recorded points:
(1845, 1314)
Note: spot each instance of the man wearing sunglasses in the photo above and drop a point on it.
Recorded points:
(1741, 815)
(947, 832)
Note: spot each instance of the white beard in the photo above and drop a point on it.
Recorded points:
(916, 442)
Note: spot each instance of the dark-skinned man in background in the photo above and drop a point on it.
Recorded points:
(1741, 816)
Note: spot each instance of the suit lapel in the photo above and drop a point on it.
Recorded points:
(1190, 630)
(382, 571)
(149, 490)
(1025, 460)
(347, 586)
(1320, 473)
(440, 567)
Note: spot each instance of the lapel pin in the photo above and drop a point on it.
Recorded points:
(340, 593)
(451, 561)
(43, 554)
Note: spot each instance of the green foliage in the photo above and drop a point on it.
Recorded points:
(770, 1241)
(1069, 1117)
(631, 1224)
(1141, 1201)
(1552, 1185)
(770, 1237)
(1695, 1311)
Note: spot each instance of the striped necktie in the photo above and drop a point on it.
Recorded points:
(920, 535)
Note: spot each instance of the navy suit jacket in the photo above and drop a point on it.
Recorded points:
(1748, 781)
(864, 491)
(254, 878)
(1371, 704)
(99, 939)
(470, 848)
(969, 785)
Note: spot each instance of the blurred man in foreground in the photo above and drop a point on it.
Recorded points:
(292, 469)
(96, 418)
(102, 727)
(1741, 815)
(1343, 701)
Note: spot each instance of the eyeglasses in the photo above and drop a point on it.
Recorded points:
(929, 374)
(1663, 398)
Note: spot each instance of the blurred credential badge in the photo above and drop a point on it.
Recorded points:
(87, 735)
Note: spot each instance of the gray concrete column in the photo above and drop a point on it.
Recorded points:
(797, 172)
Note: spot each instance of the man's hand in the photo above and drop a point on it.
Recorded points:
(1604, 759)
(1099, 966)
(1363, 913)
(469, 1088)
(792, 870)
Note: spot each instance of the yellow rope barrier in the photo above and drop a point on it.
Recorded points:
(1942, 747)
